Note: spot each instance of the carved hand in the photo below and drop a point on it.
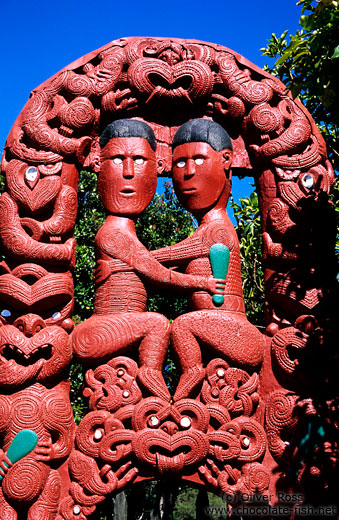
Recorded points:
(45, 450)
(216, 285)
(5, 463)
(102, 271)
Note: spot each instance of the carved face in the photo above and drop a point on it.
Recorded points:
(128, 177)
(32, 344)
(201, 176)
(30, 351)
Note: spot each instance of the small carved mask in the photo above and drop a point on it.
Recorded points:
(128, 177)
(201, 176)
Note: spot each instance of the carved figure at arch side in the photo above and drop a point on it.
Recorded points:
(35, 353)
(202, 159)
(127, 183)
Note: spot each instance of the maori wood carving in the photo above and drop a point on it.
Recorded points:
(133, 110)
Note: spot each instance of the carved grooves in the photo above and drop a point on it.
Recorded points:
(219, 439)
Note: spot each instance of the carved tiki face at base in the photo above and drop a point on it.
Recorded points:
(128, 177)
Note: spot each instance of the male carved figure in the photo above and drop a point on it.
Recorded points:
(202, 180)
(127, 183)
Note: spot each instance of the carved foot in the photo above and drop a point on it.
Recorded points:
(153, 381)
(189, 382)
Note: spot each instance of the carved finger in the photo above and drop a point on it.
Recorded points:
(127, 478)
(122, 469)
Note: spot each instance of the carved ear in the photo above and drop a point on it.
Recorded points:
(160, 166)
(83, 149)
(95, 163)
(227, 156)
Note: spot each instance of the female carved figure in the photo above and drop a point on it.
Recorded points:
(202, 180)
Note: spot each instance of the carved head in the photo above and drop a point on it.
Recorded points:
(34, 316)
(128, 176)
(202, 158)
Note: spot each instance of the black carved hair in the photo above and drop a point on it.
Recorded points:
(203, 131)
(128, 128)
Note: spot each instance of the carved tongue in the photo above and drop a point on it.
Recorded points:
(173, 464)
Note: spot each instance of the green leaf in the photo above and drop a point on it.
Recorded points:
(306, 22)
(335, 53)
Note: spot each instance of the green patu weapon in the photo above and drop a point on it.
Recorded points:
(220, 258)
(22, 444)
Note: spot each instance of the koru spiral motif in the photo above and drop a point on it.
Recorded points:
(244, 408)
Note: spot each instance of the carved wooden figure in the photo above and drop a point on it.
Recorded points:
(35, 354)
(253, 413)
(202, 181)
(127, 183)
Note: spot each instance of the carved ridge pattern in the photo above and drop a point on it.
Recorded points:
(220, 438)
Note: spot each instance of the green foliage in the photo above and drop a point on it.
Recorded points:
(91, 215)
(246, 214)
(307, 62)
(79, 405)
(179, 502)
(186, 503)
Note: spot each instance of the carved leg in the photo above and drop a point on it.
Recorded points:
(6, 511)
(152, 353)
(46, 507)
(106, 336)
(229, 335)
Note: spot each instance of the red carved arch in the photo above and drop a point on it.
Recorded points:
(163, 82)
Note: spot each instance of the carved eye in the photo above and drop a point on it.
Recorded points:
(307, 180)
(31, 173)
(117, 160)
(181, 164)
(245, 442)
(98, 434)
(139, 160)
(5, 313)
(199, 161)
(56, 315)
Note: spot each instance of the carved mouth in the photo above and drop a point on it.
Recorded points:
(189, 190)
(127, 191)
(12, 352)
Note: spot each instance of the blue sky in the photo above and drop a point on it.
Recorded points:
(38, 38)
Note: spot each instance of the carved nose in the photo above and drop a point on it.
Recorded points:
(170, 427)
(190, 169)
(30, 324)
(128, 168)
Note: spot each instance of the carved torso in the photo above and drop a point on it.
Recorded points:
(123, 290)
(218, 231)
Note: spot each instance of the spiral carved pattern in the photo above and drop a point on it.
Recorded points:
(79, 113)
(256, 477)
(265, 118)
(133, 425)
(24, 482)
